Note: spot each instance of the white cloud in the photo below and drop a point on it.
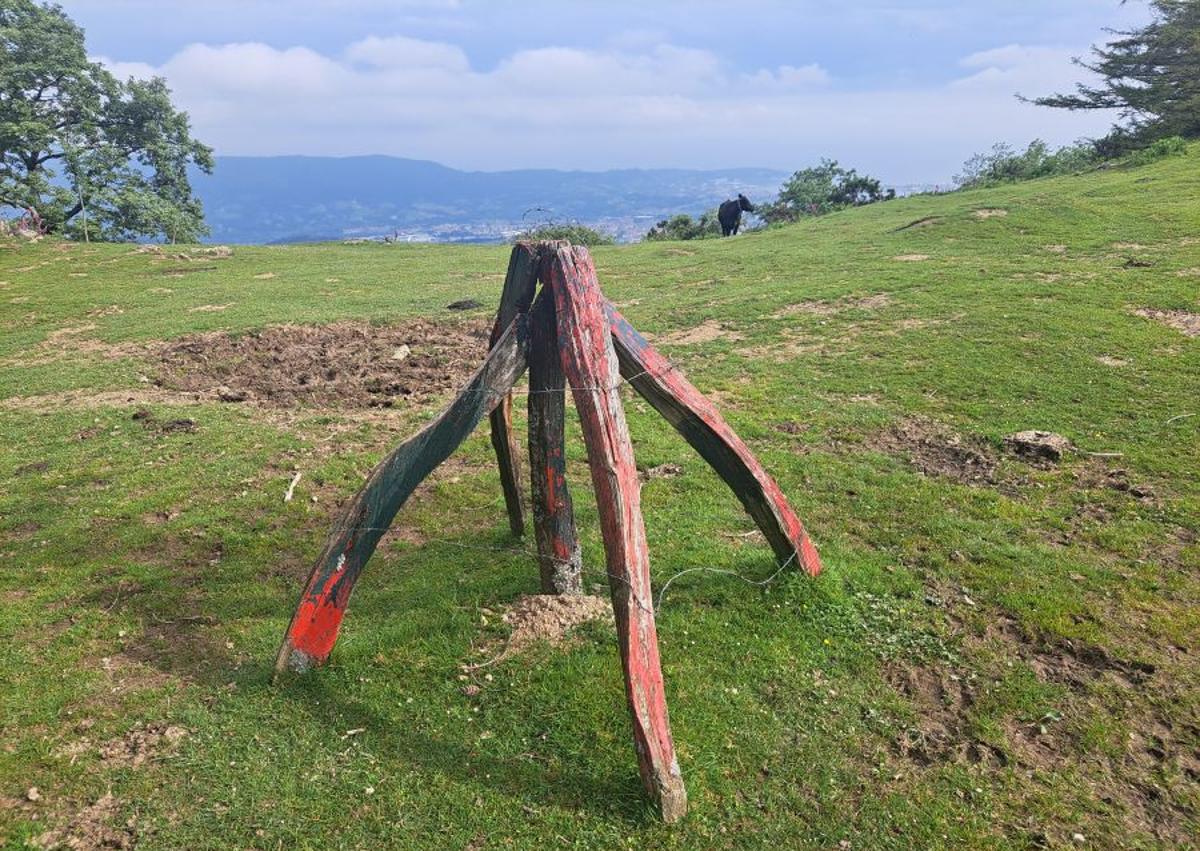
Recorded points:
(400, 52)
(1039, 68)
(634, 104)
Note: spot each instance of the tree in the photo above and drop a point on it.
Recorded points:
(91, 156)
(1152, 75)
(823, 189)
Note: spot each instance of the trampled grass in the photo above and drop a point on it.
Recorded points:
(1001, 660)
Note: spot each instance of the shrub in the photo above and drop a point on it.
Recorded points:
(1004, 164)
(1172, 146)
(574, 233)
(683, 226)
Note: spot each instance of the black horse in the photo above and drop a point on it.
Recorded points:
(730, 214)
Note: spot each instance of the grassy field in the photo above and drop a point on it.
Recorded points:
(999, 655)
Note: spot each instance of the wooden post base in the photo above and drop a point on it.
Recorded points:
(570, 335)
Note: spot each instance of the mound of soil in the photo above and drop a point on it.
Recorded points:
(1039, 447)
(936, 451)
(545, 617)
(344, 365)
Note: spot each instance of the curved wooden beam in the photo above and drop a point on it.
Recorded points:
(314, 627)
(701, 424)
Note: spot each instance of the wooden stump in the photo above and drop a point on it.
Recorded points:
(590, 364)
(519, 286)
(559, 560)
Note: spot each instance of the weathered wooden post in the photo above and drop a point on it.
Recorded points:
(569, 335)
(519, 286)
(590, 364)
(560, 561)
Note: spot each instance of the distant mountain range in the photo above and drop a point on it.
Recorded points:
(301, 199)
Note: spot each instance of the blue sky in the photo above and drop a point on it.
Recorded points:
(906, 90)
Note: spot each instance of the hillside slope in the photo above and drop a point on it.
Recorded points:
(1000, 653)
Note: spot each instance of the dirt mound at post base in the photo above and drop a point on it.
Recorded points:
(346, 364)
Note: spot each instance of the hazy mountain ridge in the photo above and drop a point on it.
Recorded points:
(294, 198)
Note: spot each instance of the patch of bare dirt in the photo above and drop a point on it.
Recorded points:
(942, 701)
(990, 214)
(545, 618)
(1096, 476)
(210, 252)
(1149, 786)
(910, 258)
(935, 450)
(832, 308)
(1180, 320)
(1115, 363)
(705, 332)
(1194, 272)
(90, 828)
(73, 342)
(89, 400)
(662, 471)
(141, 744)
(346, 364)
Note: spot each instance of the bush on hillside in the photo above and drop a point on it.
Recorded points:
(576, 234)
(1172, 146)
(683, 227)
(1004, 164)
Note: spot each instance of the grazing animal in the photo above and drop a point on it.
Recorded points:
(730, 214)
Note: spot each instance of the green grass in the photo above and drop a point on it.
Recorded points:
(970, 671)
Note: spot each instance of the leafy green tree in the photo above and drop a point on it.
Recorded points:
(822, 189)
(683, 227)
(91, 156)
(1152, 75)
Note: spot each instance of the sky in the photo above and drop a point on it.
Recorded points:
(903, 90)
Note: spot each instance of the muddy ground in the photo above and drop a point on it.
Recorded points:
(342, 365)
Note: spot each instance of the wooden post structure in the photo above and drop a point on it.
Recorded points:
(570, 335)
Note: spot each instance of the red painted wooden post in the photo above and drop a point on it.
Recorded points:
(591, 369)
(701, 424)
(560, 562)
(519, 286)
(314, 627)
